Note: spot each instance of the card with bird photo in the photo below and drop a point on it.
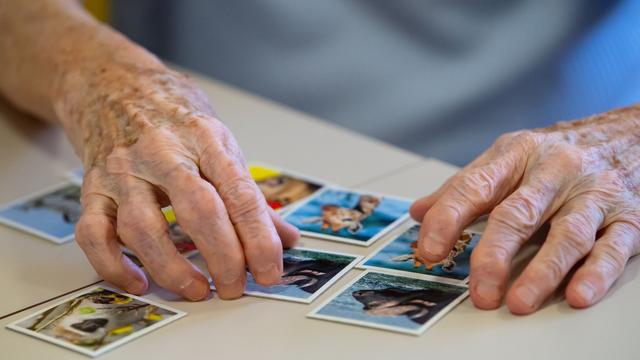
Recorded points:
(348, 216)
(391, 302)
(96, 320)
(51, 214)
(283, 188)
(398, 255)
(307, 273)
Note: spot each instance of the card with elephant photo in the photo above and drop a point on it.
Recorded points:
(51, 214)
(96, 320)
(283, 188)
(398, 255)
(391, 302)
(307, 273)
(348, 216)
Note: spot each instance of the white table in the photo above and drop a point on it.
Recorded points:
(35, 155)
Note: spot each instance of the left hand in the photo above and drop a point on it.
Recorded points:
(582, 176)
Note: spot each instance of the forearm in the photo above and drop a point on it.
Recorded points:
(46, 44)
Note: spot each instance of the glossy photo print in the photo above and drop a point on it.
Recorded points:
(51, 214)
(282, 188)
(391, 302)
(399, 254)
(307, 273)
(96, 321)
(348, 216)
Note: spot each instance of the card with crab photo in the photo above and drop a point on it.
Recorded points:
(283, 188)
(307, 273)
(51, 214)
(96, 320)
(398, 255)
(348, 216)
(391, 302)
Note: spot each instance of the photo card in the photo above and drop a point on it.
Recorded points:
(96, 320)
(398, 255)
(51, 214)
(348, 216)
(307, 273)
(391, 302)
(283, 188)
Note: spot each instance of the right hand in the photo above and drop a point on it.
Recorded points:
(148, 137)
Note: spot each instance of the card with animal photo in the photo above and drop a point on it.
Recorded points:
(399, 255)
(306, 275)
(348, 216)
(51, 214)
(391, 302)
(283, 188)
(180, 239)
(96, 320)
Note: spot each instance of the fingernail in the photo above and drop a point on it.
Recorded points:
(136, 286)
(488, 291)
(194, 290)
(527, 295)
(270, 272)
(435, 247)
(587, 291)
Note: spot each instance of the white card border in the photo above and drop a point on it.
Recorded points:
(444, 311)
(31, 196)
(443, 279)
(178, 315)
(71, 176)
(341, 239)
(356, 259)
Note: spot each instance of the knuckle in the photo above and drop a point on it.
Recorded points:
(475, 187)
(554, 268)
(492, 257)
(243, 200)
(141, 226)
(517, 215)
(570, 157)
(576, 233)
(613, 257)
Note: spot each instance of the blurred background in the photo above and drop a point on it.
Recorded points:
(442, 78)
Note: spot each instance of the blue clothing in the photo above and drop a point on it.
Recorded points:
(442, 78)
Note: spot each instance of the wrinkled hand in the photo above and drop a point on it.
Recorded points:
(148, 137)
(583, 177)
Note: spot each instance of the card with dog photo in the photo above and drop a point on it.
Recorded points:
(306, 275)
(180, 239)
(348, 216)
(283, 188)
(96, 320)
(51, 214)
(391, 302)
(399, 255)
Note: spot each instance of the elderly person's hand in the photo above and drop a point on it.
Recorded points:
(582, 177)
(147, 137)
